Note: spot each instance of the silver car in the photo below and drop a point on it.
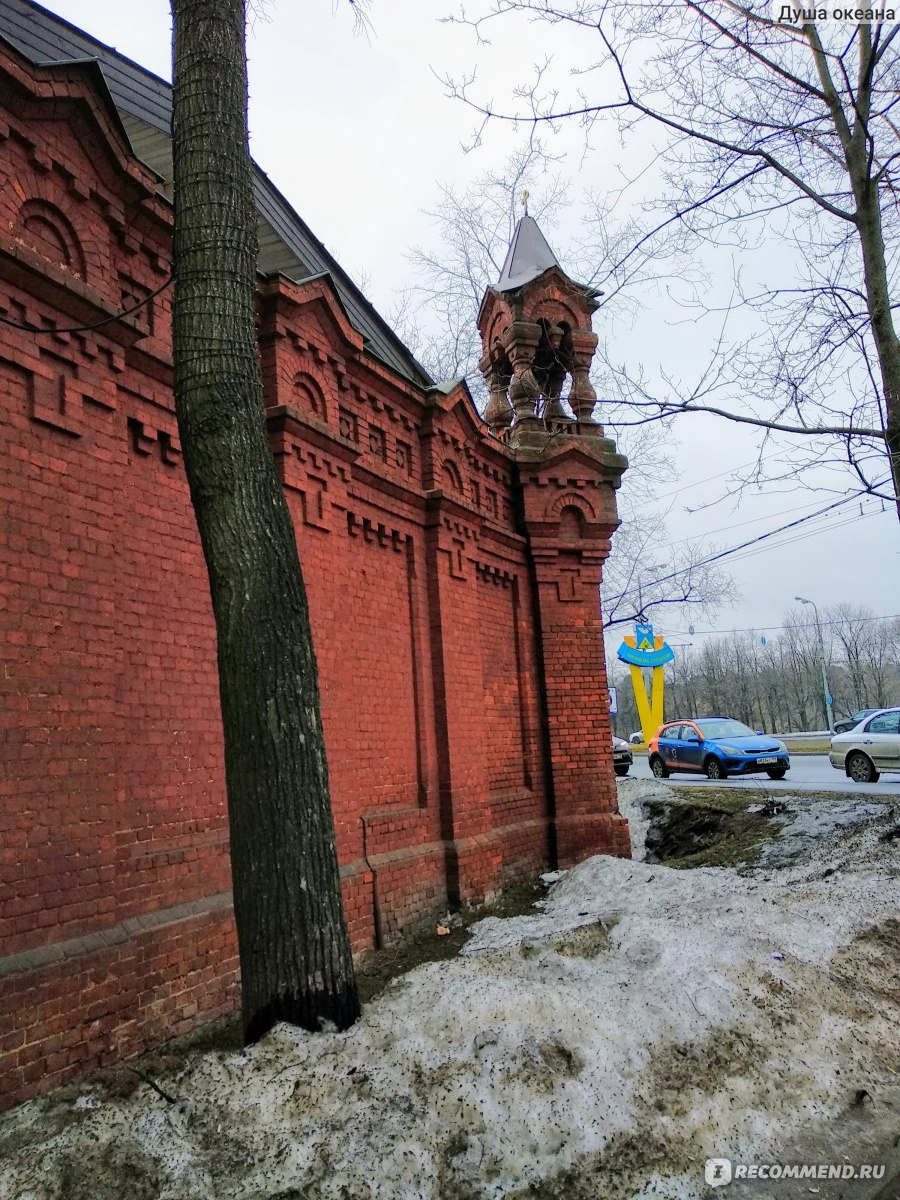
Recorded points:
(872, 747)
(622, 758)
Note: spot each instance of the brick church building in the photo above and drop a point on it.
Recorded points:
(451, 563)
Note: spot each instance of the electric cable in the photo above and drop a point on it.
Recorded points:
(54, 329)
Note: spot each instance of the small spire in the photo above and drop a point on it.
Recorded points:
(528, 255)
(525, 201)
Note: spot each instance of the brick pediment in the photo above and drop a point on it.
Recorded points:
(457, 411)
(89, 144)
(463, 435)
(323, 312)
(81, 215)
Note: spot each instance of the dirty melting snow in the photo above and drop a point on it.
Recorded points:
(605, 1046)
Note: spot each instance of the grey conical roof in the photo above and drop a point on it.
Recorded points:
(527, 257)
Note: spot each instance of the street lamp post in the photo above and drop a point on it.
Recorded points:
(829, 715)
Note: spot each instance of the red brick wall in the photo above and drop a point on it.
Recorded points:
(115, 920)
(99, 999)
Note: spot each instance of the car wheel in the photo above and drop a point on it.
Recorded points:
(861, 769)
(659, 768)
(777, 773)
(621, 771)
(714, 769)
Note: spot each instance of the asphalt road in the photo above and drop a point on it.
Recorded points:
(808, 773)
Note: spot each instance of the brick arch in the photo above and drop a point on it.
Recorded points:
(308, 395)
(47, 229)
(451, 476)
(556, 311)
(497, 328)
(572, 500)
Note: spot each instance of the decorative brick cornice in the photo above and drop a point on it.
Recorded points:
(491, 573)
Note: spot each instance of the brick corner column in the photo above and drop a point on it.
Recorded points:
(569, 519)
(586, 815)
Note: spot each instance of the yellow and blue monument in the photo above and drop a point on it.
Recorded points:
(645, 650)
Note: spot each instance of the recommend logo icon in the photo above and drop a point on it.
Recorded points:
(717, 1171)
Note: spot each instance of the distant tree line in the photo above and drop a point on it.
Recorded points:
(776, 685)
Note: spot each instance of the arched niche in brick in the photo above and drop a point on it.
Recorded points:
(572, 500)
(45, 228)
(571, 524)
(574, 512)
(496, 331)
(451, 477)
(554, 310)
(308, 396)
(495, 337)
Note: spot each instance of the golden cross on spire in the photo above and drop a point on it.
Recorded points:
(525, 202)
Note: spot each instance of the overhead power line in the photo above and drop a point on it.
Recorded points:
(805, 535)
(755, 520)
(774, 628)
(686, 487)
(762, 537)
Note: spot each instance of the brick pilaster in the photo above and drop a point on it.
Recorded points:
(586, 817)
(570, 514)
(473, 861)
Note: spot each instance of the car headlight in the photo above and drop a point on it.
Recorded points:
(730, 749)
(782, 747)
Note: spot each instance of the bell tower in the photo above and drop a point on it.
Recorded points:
(537, 341)
(537, 349)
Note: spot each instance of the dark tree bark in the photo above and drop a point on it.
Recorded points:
(294, 949)
(863, 175)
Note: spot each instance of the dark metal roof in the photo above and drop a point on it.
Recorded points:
(144, 102)
(528, 256)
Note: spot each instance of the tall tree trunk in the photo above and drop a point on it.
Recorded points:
(294, 949)
(862, 171)
(887, 347)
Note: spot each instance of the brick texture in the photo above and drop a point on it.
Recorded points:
(458, 643)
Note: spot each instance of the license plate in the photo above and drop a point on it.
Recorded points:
(762, 761)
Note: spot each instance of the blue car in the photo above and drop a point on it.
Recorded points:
(716, 747)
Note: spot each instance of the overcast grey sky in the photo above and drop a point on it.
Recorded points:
(357, 133)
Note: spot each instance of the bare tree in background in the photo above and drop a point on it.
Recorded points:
(474, 230)
(769, 135)
(864, 643)
(292, 936)
(775, 683)
(879, 644)
(850, 627)
(653, 572)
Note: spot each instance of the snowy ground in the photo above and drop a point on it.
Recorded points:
(646, 1020)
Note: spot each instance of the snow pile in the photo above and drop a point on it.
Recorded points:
(633, 796)
(644, 1020)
